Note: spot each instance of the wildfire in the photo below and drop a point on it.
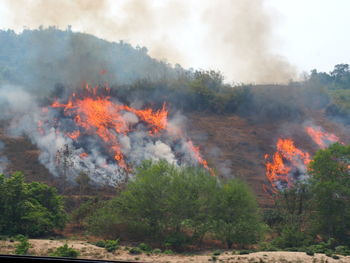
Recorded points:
(320, 137)
(287, 163)
(99, 116)
(199, 158)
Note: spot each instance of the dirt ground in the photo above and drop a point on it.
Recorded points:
(43, 247)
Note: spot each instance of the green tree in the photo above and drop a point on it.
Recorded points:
(330, 182)
(31, 209)
(178, 205)
(236, 216)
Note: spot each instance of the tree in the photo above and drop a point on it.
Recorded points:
(236, 217)
(292, 207)
(31, 209)
(178, 205)
(83, 180)
(330, 183)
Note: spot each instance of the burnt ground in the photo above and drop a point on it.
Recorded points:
(233, 145)
(236, 146)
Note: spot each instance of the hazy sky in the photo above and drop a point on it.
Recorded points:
(253, 44)
(313, 33)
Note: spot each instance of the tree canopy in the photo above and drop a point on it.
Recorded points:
(32, 209)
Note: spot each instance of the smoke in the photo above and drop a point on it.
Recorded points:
(3, 159)
(235, 37)
(243, 33)
(91, 152)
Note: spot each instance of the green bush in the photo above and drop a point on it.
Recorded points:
(157, 251)
(168, 252)
(342, 250)
(135, 251)
(100, 243)
(329, 253)
(244, 252)
(65, 251)
(23, 246)
(310, 252)
(291, 237)
(144, 247)
(216, 252)
(267, 246)
(111, 245)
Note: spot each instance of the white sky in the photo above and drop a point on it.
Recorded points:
(309, 33)
(313, 33)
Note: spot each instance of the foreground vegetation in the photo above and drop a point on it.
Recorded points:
(172, 208)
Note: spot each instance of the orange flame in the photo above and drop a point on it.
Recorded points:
(73, 135)
(321, 138)
(83, 155)
(99, 115)
(198, 156)
(285, 159)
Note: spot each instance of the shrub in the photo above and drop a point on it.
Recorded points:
(100, 243)
(310, 252)
(216, 252)
(244, 252)
(112, 245)
(157, 251)
(329, 253)
(144, 247)
(65, 251)
(135, 251)
(291, 237)
(335, 257)
(267, 246)
(342, 250)
(23, 246)
(168, 252)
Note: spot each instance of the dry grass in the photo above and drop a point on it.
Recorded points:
(43, 247)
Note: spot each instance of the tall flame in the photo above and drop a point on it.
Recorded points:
(99, 115)
(287, 163)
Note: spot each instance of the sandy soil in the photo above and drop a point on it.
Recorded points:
(43, 247)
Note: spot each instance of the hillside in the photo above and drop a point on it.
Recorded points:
(234, 126)
(233, 145)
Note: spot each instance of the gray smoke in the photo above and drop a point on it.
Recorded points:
(235, 37)
(3, 159)
(47, 128)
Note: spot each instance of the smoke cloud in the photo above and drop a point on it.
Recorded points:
(49, 128)
(235, 37)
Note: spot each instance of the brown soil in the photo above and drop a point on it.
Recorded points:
(43, 247)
